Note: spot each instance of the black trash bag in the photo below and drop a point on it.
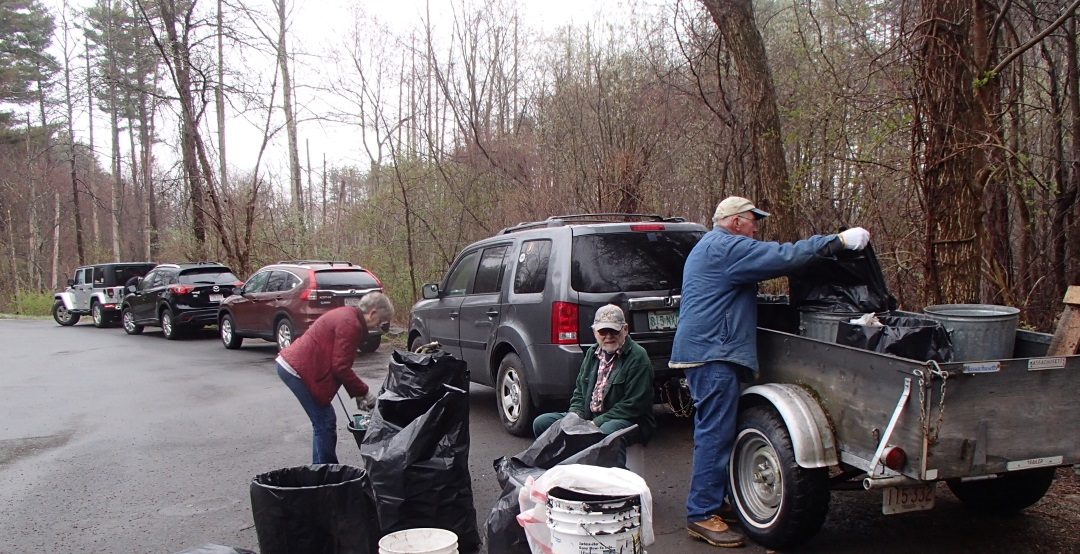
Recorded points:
(553, 447)
(908, 337)
(563, 439)
(321, 509)
(416, 448)
(850, 282)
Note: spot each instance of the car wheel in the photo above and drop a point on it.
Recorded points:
(98, 314)
(229, 337)
(414, 342)
(62, 315)
(1008, 493)
(128, 320)
(779, 502)
(284, 334)
(512, 397)
(371, 343)
(168, 327)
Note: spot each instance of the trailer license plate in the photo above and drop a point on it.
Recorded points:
(898, 500)
(665, 320)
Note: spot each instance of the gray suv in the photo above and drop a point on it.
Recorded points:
(518, 306)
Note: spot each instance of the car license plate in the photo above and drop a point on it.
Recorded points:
(665, 320)
(352, 300)
(898, 500)
(217, 297)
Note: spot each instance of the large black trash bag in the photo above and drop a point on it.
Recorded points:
(905, 336)
(571, 440)
(321, 509)
(850, 282)
(416, 449)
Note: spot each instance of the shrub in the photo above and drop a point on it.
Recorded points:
(33, 303)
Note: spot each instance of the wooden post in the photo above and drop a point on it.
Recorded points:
(1067, 336)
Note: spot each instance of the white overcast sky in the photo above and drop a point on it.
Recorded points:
(315, 26)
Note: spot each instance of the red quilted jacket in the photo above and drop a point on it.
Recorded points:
(323, 356)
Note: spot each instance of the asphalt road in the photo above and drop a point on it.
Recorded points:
(111, 443)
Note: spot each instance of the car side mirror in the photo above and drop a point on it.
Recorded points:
(71, 282)
(430, 290)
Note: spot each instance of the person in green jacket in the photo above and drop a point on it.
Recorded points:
(615, 385)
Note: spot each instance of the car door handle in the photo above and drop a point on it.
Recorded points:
(454, 315)
(492, 313)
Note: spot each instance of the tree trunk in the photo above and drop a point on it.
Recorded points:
(1072, 78)
(947, 121)
(290, 115)
(769, 184)
(76, 211)
(219, 101)
(53, 283)
(91, 180)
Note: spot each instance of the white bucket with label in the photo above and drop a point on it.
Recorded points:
(422, 540)
(584, 523)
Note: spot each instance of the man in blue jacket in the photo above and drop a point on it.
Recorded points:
(716, 342)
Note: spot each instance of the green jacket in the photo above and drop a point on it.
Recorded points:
(630, 390)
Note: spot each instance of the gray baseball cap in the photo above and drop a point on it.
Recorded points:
(609, 316)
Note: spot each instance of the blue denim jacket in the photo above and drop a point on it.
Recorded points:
(718, 312)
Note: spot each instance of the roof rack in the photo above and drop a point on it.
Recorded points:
(612, 217)
(327, 262)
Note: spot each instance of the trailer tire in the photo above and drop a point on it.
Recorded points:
(1009, 493)
(779, 503)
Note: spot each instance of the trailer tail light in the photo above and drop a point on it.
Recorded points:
(564, 323)
(181, 289)
(894, 458)
(647, 227)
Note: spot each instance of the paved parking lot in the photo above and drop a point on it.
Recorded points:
(111, 443)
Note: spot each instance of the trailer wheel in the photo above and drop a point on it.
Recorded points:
(779, 503)
(1009, 493)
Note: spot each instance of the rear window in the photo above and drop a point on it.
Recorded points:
(634, 261)
(344, 279)
(121, 274)
(208, 276)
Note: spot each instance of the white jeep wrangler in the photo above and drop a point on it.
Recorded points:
(96, 290)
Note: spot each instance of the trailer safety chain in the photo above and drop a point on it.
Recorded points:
(684, 409)
(936, 371)
(932, 370)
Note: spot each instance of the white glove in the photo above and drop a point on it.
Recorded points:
(855, 238)
(366, 403)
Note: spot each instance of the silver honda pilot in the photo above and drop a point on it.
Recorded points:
(517, 306)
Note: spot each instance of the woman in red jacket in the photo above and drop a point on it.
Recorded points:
(320, 361)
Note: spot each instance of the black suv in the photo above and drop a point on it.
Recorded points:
(518, 306)
(178, 297)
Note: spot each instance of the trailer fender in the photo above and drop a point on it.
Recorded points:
(811, 435)
(67, 298)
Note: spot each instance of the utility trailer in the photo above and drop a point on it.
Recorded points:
(826, 416)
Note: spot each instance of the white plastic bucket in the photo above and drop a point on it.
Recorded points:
(583, 522)
(422, 540)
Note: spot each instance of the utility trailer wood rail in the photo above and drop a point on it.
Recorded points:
(824, 416)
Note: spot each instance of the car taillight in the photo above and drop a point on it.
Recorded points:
(894, 458)
(647, 227)
(181, 289)
(306, 293)
(564, 323)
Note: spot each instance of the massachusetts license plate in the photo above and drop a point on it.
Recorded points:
(898, 500)
(663, 320)
(216, 297)
(352, 300)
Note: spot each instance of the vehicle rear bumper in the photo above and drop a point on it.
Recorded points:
(202, 316)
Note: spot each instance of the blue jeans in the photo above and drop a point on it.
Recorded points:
(323, 420)
(715, 390)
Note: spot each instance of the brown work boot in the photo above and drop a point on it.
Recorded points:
(715, 532)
